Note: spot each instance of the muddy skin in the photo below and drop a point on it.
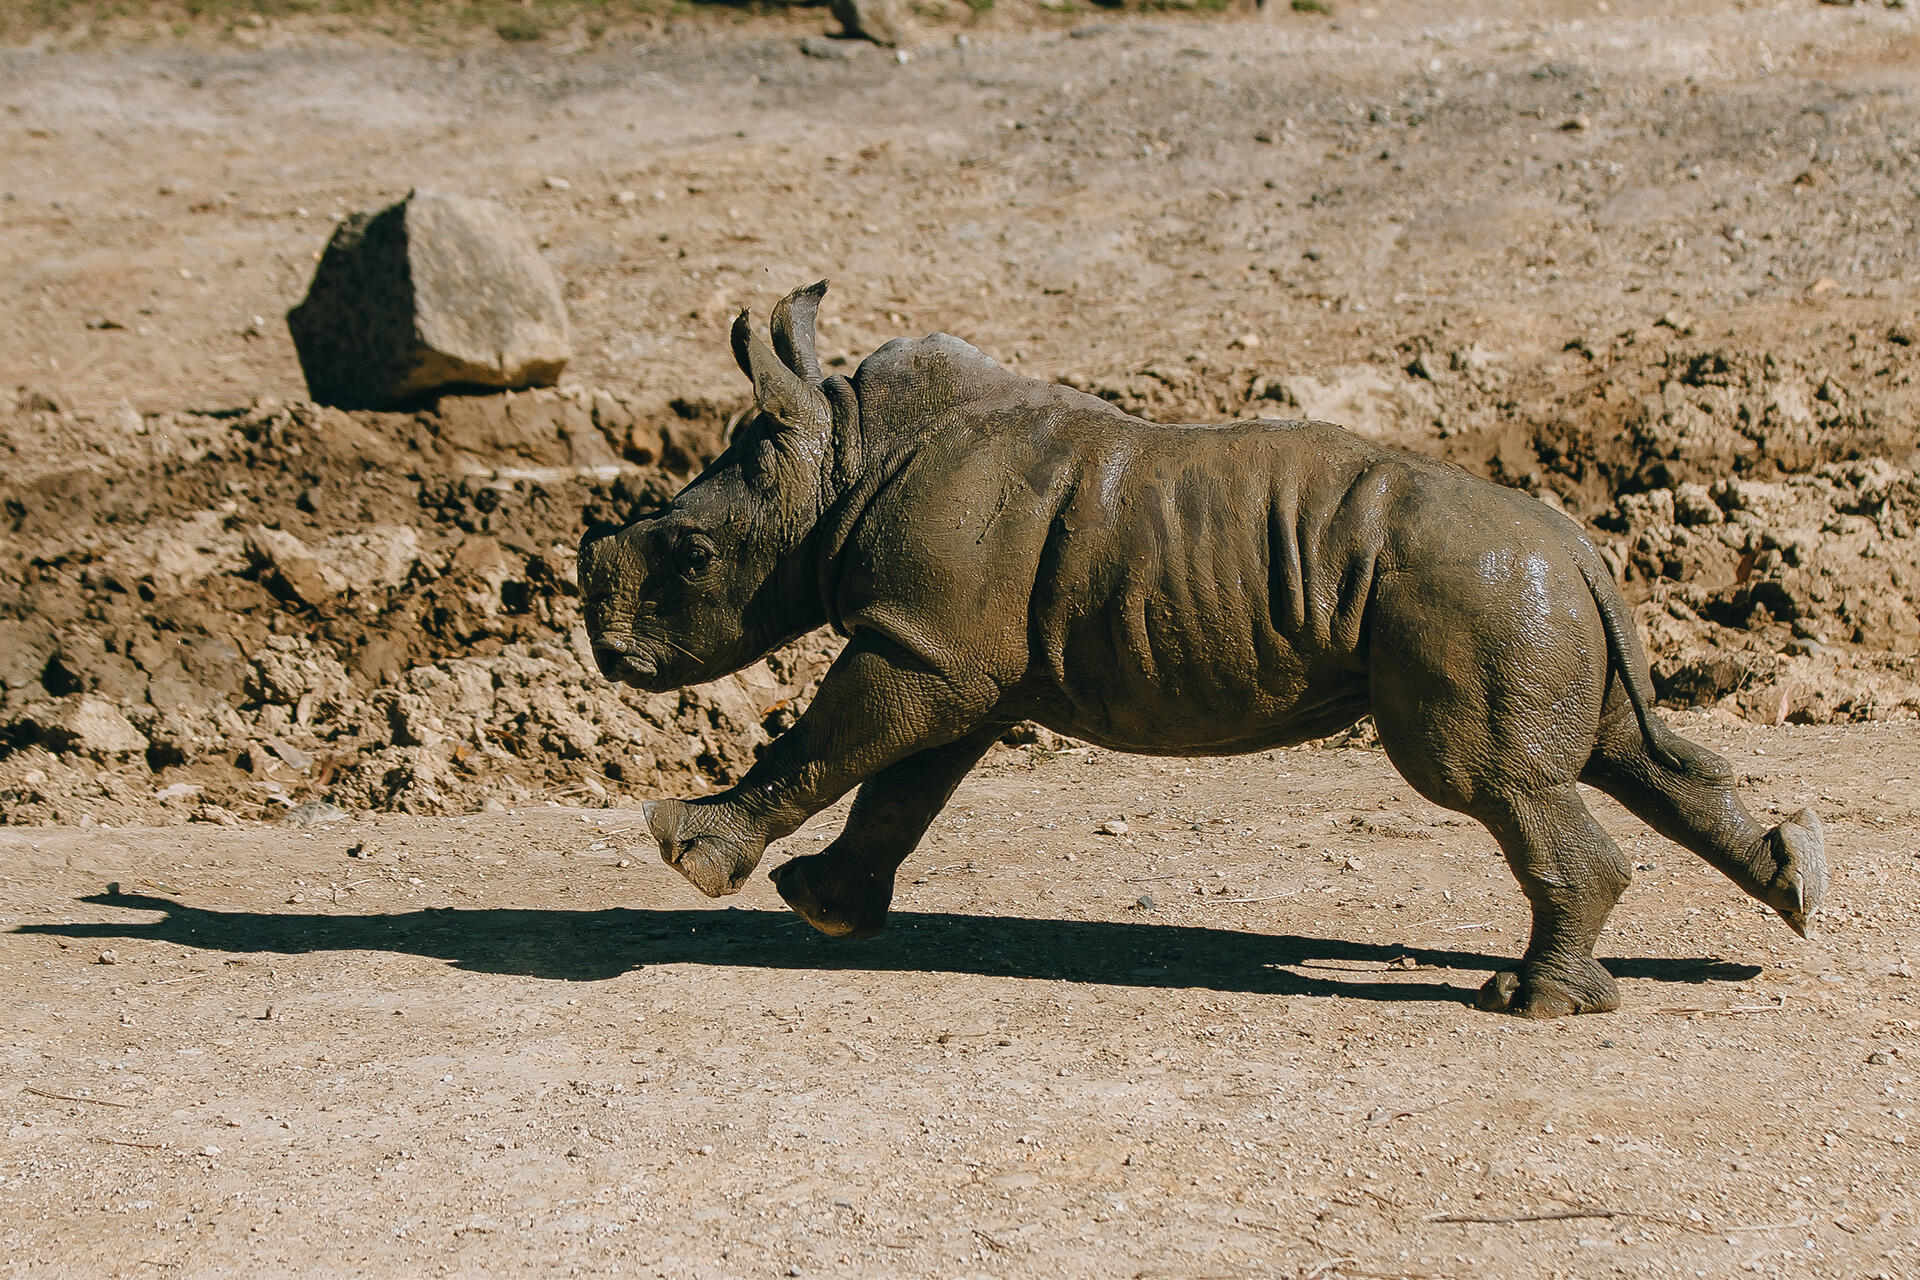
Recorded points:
(997, 548)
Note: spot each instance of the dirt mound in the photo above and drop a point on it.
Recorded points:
(233, 614)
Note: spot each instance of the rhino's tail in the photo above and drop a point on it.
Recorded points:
(1628, 658)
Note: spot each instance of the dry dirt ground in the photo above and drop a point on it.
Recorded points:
(518, 1044)
(1655, 263)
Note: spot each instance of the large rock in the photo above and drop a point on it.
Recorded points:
(436, 293)
(875, 20)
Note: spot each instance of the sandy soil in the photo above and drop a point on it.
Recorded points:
(518, 1044)
(1658, 267)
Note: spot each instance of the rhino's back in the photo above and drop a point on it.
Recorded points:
(911, 386)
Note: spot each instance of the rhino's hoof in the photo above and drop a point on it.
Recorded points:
(836, 903)
(1538, 995)
(1799, 851)
(714, 862)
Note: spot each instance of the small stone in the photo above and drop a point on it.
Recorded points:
(109, 956)
(1879, 1058)
(283, 564)
(299, 761)
(1115, 827)
(559, 184)
(1403, 962)
(1353, 864)
(826, 50)
(209, 1150)
(1246, 341)
(1673, 320)
(1144, 902)
(364, 849)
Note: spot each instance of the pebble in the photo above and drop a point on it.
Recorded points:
(1879, 1058)
(559, 184)
(1144, 902)
(364, 849)
(1353, 864)
(829, 51)
(109, 956)
(1114, 828)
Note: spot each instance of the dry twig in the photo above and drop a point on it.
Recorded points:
(1383, 1116)
(68, 1097)
(1559, 1215)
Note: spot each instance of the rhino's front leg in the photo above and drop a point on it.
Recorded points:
(845, 889)
(879, 705)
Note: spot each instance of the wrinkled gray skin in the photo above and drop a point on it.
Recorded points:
(998, 549)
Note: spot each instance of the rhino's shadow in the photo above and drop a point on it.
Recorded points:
(590, 946)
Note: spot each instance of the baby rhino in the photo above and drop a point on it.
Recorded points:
(998, 549)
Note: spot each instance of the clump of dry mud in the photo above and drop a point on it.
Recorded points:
(230, 615)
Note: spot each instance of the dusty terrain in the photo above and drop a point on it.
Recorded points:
(518, 1044)
(305, 684)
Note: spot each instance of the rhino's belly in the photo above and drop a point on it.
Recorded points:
(1161, 700)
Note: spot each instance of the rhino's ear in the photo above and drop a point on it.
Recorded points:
(791, 400)
(794, 317)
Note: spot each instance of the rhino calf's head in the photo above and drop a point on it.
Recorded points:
(716, 579)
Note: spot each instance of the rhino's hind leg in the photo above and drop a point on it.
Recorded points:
(1572, 874)
(1691, 801)
(846, 889)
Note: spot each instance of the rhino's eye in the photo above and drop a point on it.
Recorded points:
(695, 555)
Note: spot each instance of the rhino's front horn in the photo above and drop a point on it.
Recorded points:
(780, 392)
(793, 329)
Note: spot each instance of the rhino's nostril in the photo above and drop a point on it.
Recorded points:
(617, 665)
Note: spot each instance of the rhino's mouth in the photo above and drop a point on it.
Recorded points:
(627, 668)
